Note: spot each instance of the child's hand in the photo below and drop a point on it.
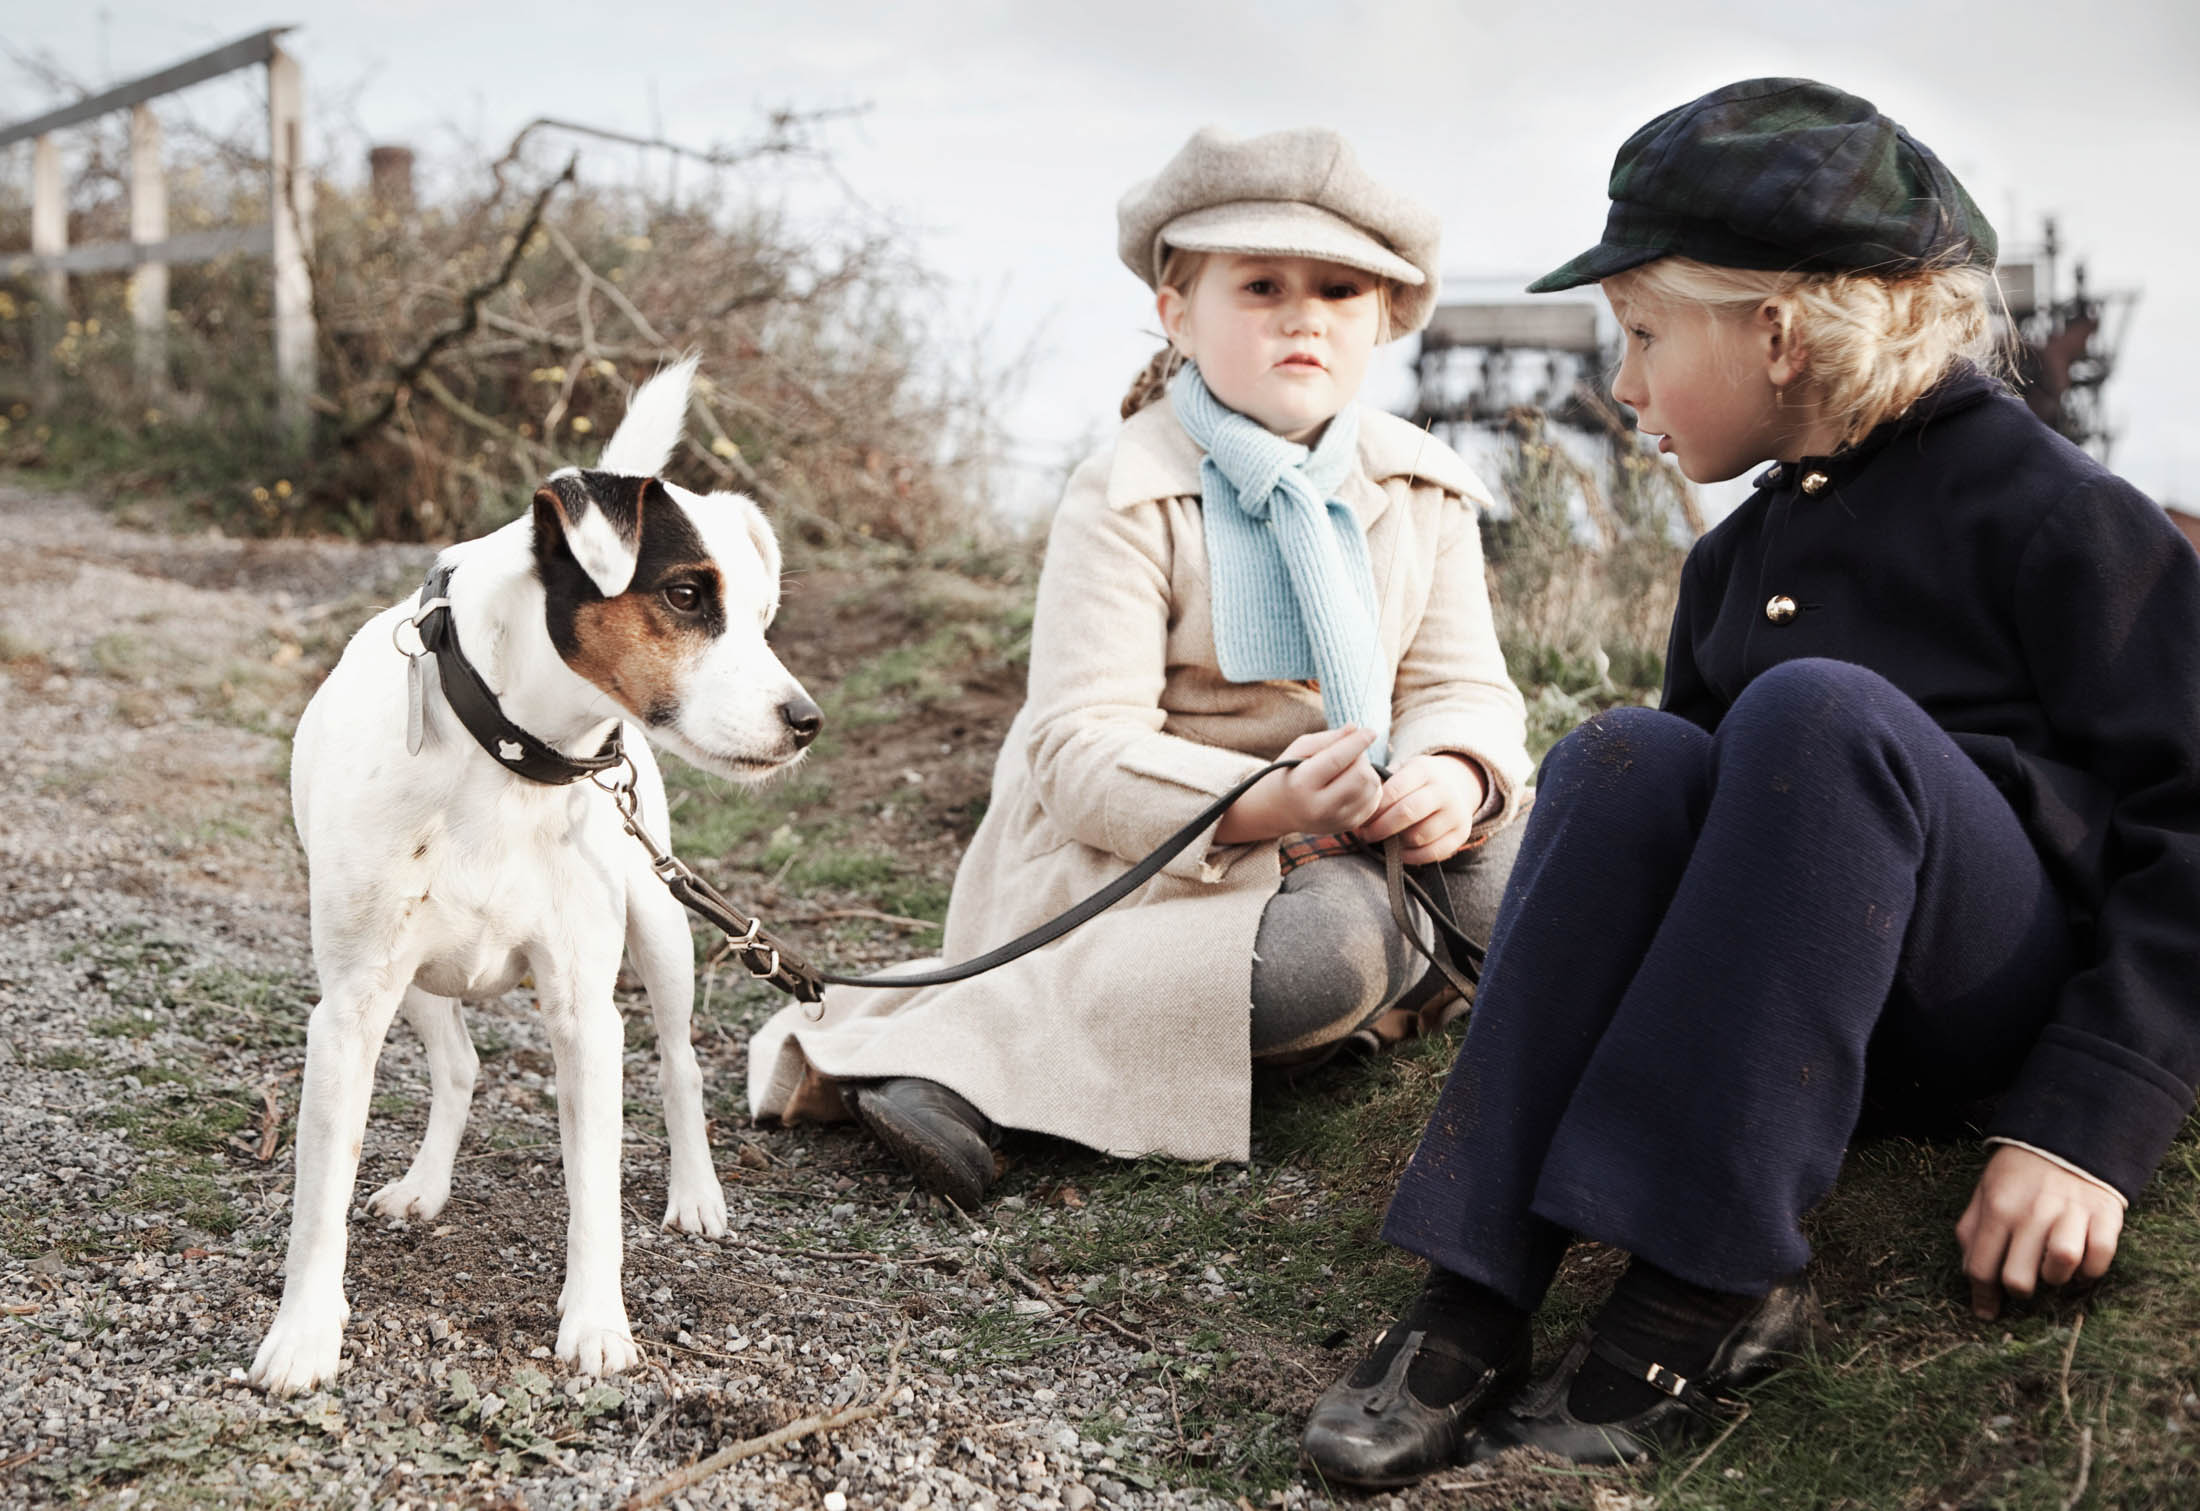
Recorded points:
(1432, 801)
(2029, 1221)
(1332, 789)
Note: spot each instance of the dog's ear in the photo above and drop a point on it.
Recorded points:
(599, 519)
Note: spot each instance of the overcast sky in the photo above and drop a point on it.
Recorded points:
(1002, 134)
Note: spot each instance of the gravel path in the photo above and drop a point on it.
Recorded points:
(154, 984)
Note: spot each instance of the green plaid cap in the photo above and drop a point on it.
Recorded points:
(1782, 174)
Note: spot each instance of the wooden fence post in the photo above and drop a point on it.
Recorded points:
(49, 238)
(148, 228)
(290, 211)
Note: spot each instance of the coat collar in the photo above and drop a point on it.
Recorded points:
(1155, 459)
(1960, 390)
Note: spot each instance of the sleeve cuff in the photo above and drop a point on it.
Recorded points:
(1183, 777)
(2109, 1111)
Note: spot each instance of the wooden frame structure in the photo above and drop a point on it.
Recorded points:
(286, 238)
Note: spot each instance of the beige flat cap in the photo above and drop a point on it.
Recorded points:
(1300, 193)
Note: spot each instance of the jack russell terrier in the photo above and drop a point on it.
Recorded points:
(454, 849)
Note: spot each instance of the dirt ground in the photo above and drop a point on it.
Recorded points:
(154, 985)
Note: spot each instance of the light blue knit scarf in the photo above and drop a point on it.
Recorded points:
(1287, 563)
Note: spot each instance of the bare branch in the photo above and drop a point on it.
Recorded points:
(784, 137)
(469, 314)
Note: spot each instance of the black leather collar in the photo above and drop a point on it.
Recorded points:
(508, 745)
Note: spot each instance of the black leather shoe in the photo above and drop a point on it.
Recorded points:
(1687, 1412)
(946, 1143)
(1382, 1434)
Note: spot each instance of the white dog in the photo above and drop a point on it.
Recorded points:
(620, 606)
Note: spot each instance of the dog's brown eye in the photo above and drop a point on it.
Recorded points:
(684, 597)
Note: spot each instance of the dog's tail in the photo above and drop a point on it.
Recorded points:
(654, 418)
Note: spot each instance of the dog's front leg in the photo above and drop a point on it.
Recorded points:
(657, 937)
(343, 1041)
(587, 1041)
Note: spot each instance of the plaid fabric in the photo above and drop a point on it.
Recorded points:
(1304, 849)
(1781, 174)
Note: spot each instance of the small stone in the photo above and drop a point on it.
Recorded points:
(1077, 1498)
(835, 1501)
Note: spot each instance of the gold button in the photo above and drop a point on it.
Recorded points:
(1780, 609)
(1814, 483)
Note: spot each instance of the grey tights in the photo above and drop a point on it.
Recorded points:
(1328, 957)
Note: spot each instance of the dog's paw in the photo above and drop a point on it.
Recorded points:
(700, 1208)
(597, 1344)
(408, 1198)
(301, 1350)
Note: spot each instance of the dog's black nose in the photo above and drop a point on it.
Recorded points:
(804, 719)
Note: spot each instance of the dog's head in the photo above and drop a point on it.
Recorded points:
(661, 597)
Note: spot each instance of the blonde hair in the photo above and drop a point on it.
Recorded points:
(1180, 270)
(1872, 345)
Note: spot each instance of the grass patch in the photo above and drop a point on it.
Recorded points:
(185, 1190)
(900, 680)
(69, 1058)
(183, 1121)
(17, 647)
(122, 655)
(1256, 1284)
(712, 816)
(153, 981)
(247, 1009)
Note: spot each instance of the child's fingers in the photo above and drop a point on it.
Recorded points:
(1444, 846)
(1985, 1241)
(1325, 765)
(1401, 810)
(2065, 1246)
(2100, 1242)
(1314, 742)
(2020, 1263)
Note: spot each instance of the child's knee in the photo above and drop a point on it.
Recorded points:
(1621, 749)
(1814, 703)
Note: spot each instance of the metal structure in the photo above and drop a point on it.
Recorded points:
(286, 238)
(2066, 346)
(1479, 360)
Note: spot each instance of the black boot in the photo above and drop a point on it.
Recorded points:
(946, 1143)
(1404, 1410)
(1654, 1371)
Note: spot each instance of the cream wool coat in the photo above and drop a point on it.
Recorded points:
(1131, 1034)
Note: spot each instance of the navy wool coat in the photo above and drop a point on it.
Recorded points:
(2047, 615)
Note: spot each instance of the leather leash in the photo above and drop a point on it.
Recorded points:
(762, 954)
(769, 959)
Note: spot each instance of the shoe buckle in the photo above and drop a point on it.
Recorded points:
(1666, 1380)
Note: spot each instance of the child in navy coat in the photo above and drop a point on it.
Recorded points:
(1916, 827)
